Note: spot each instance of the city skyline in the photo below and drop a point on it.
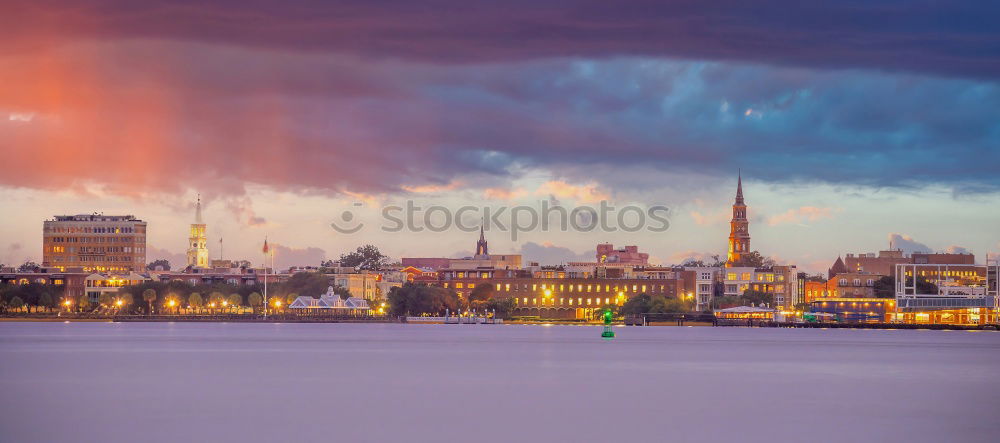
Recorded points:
(283, 124)
(542, 251)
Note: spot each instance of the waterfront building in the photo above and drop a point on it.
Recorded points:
(708, 283)
(100, 283)
(815, 290)
(71, 280)
(629, 255)
(330, 301)
(884, 263)
(856, 309)
(197, 253)
(739, 229)
(420, 275)
(852, 285)
(95, 243)
(232, 276)
(947, 293)
(362, 284)
(551, 293)
(781, 281)
(748, 313)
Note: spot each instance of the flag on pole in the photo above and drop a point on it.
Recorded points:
(265, 246)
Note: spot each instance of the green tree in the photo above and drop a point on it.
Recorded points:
(756, 260)
(417, 299)
(172, 299)
(16, 303)
(312, 284)
(127, 300)
(215, 300)
(235, 301)
(46, 301)
(28, 266)
(195, 301)
(501, 306)
(105, 300)
(343, 292)
(366, 257)
(161, 264)
(638, 304)
(482, 292)
(256, 301)
(885, 287)
(149, 296)
(716, 262)
(83, 302)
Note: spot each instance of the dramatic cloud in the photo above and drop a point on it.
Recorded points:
(956, 38)
(285, 256)
(957, 250)
(713, 218)
(504, 194)
(242, 210)
(548, 253)
(907, 244)
(810, 213)
(321, 123)
(581, 193)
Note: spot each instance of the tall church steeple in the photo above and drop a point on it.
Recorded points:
(482, 248)
(739, 228)
(197, 253)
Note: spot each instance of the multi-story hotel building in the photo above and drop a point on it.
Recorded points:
(552, 293)
(95, 242)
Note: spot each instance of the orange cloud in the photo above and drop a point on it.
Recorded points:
(810, 213)
(504, 194)
(431, 189)
(583, 193)
(710, 218)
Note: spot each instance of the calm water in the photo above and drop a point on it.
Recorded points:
(442, 383)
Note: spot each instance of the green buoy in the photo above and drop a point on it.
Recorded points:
(608, 334)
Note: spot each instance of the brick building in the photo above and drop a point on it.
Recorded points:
(95, 243)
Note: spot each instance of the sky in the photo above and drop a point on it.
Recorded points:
(853, 123)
